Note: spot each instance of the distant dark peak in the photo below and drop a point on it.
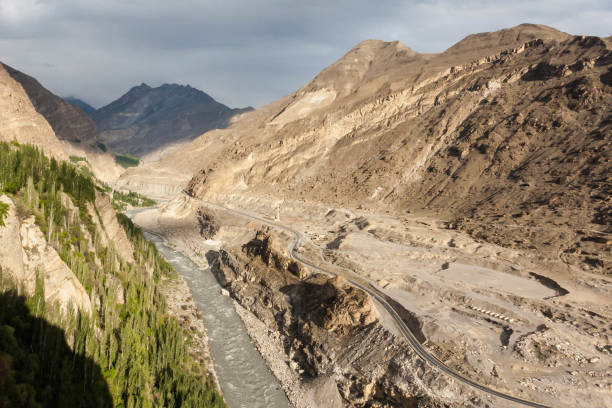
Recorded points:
(179, 88)
(173, 85)
(146, 118)
(139, 89)
(184, 91)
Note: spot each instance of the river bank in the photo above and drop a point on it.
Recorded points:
(239, 369)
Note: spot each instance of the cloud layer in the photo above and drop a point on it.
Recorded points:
(242, 52)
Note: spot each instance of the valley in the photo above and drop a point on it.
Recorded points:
(243, 376)
(405, 230)
(392, 188)
(480, 309)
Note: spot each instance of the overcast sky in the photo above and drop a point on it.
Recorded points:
(247, 52)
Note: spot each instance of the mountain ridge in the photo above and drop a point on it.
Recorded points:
(147, 118)
(81, 104)
(31, 114)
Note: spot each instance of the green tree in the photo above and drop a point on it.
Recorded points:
(3, 213)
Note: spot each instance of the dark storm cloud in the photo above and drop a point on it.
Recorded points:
(242, 52)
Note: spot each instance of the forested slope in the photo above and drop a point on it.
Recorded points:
(128, 352)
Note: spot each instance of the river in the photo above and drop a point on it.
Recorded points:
(245, 379)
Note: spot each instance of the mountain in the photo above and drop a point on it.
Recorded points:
(503, 128)
(146, 119)
(68, 122)
(81, 104)
(29, 113)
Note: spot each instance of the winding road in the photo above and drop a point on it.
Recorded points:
(381, 298)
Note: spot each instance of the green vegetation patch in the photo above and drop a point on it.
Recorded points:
(3, 213)
(38, 367)
(21, 164)
(76, 159)
(126, 160)
(102, 146)
(122, 200)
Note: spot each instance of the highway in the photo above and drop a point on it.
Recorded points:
(380, 297)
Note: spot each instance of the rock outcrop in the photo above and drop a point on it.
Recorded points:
(11, 259)
(209, 226)
(61, 286)
(25, 255)
(110, 232)
(330, 330)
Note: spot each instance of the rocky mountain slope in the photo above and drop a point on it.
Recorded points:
(145, 118)
(504, 135)
(382, 166)
(68, 122)
(29, 113)
(81, 104)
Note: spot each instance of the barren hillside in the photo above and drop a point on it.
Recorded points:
(68, 122)
(505, 135)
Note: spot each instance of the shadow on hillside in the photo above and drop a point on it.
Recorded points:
(37, 366)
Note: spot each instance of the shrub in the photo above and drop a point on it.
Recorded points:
(125, 160)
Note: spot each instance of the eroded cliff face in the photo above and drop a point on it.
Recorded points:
(330, 331)
(110, 232)
(11, 258)
(60, 284)
(25, 255)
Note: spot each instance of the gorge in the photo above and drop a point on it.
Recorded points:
(405, 230)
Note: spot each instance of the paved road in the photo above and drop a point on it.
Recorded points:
(381, 298)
